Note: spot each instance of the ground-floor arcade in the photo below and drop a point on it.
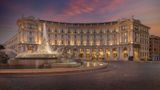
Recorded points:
(101, 53)
(121, 53)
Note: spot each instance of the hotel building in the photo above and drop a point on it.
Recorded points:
(124, 39)
(154, 48)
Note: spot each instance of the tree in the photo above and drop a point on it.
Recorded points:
(2, 47)
(3, 57)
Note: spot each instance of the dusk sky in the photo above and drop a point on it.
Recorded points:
(148, 11)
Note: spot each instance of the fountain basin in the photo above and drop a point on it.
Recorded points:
(37, 56)
(43, 62)
(51, 70)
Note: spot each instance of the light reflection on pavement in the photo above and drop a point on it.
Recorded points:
(117, 76)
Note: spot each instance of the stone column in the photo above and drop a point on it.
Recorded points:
(131, 50)
(104, 51)
(84, 54)
(111, 54)
(128, 53)
(120, 53)
(132, 36)
(90, 56)
(97, 54)
(78, 52)
(26, 48)
(139, 53)
(107, 58)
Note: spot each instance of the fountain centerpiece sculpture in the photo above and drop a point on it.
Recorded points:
(44, 50)
(45, 56)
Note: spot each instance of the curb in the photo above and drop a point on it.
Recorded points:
(47, 71)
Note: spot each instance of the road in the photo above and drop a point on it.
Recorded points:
(117, 76)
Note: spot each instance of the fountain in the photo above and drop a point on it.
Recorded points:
(44, 50)
(45, 56)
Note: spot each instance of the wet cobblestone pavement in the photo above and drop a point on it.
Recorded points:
(117, 76)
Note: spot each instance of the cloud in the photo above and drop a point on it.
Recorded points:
(112, 5)
(77, 7)
(81, 10)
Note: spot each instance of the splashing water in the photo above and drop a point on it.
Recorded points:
(44, 50)
(44, 47)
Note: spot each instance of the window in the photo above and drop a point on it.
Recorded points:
(68, 31)
(55, 35)
(30, 39)
(62, 31)
(55, 30)
(55, 42)
(30, 33)
(62, 42)
(49, 30)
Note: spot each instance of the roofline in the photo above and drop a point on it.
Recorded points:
(78, 22)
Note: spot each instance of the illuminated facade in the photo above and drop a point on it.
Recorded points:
(123, 39)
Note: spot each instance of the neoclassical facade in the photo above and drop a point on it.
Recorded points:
(123, 39)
